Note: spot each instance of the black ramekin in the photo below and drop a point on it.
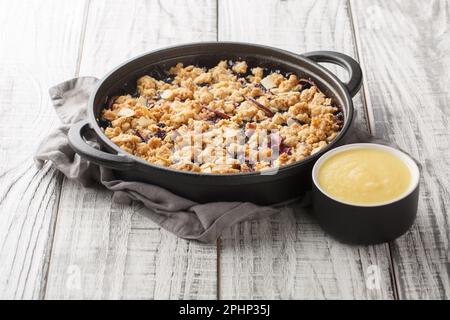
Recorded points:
(366, 224)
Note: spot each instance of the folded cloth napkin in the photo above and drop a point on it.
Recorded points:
(183, 217)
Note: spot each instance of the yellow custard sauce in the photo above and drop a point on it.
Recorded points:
(365, 176)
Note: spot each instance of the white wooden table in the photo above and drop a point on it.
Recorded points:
(60, 240)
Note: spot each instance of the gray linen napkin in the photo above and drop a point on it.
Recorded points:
(184, 218)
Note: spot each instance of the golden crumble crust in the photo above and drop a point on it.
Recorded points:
(227, 119)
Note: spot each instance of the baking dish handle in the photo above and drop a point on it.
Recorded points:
(79, 145)
(348, 63)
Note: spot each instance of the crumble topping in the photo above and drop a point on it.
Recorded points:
(227, 119)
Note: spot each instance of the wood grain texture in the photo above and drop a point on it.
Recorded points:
(105, 250)
(405, 50)
(109, 251)
(38, 47)
(288, 256)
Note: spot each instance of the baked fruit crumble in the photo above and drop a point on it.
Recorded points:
(227, 119)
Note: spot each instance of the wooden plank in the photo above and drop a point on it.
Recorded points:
(288, 256)
(405, 51)
(39, 45)
(104, 250)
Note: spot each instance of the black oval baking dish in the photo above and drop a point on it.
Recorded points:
(289, 181)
